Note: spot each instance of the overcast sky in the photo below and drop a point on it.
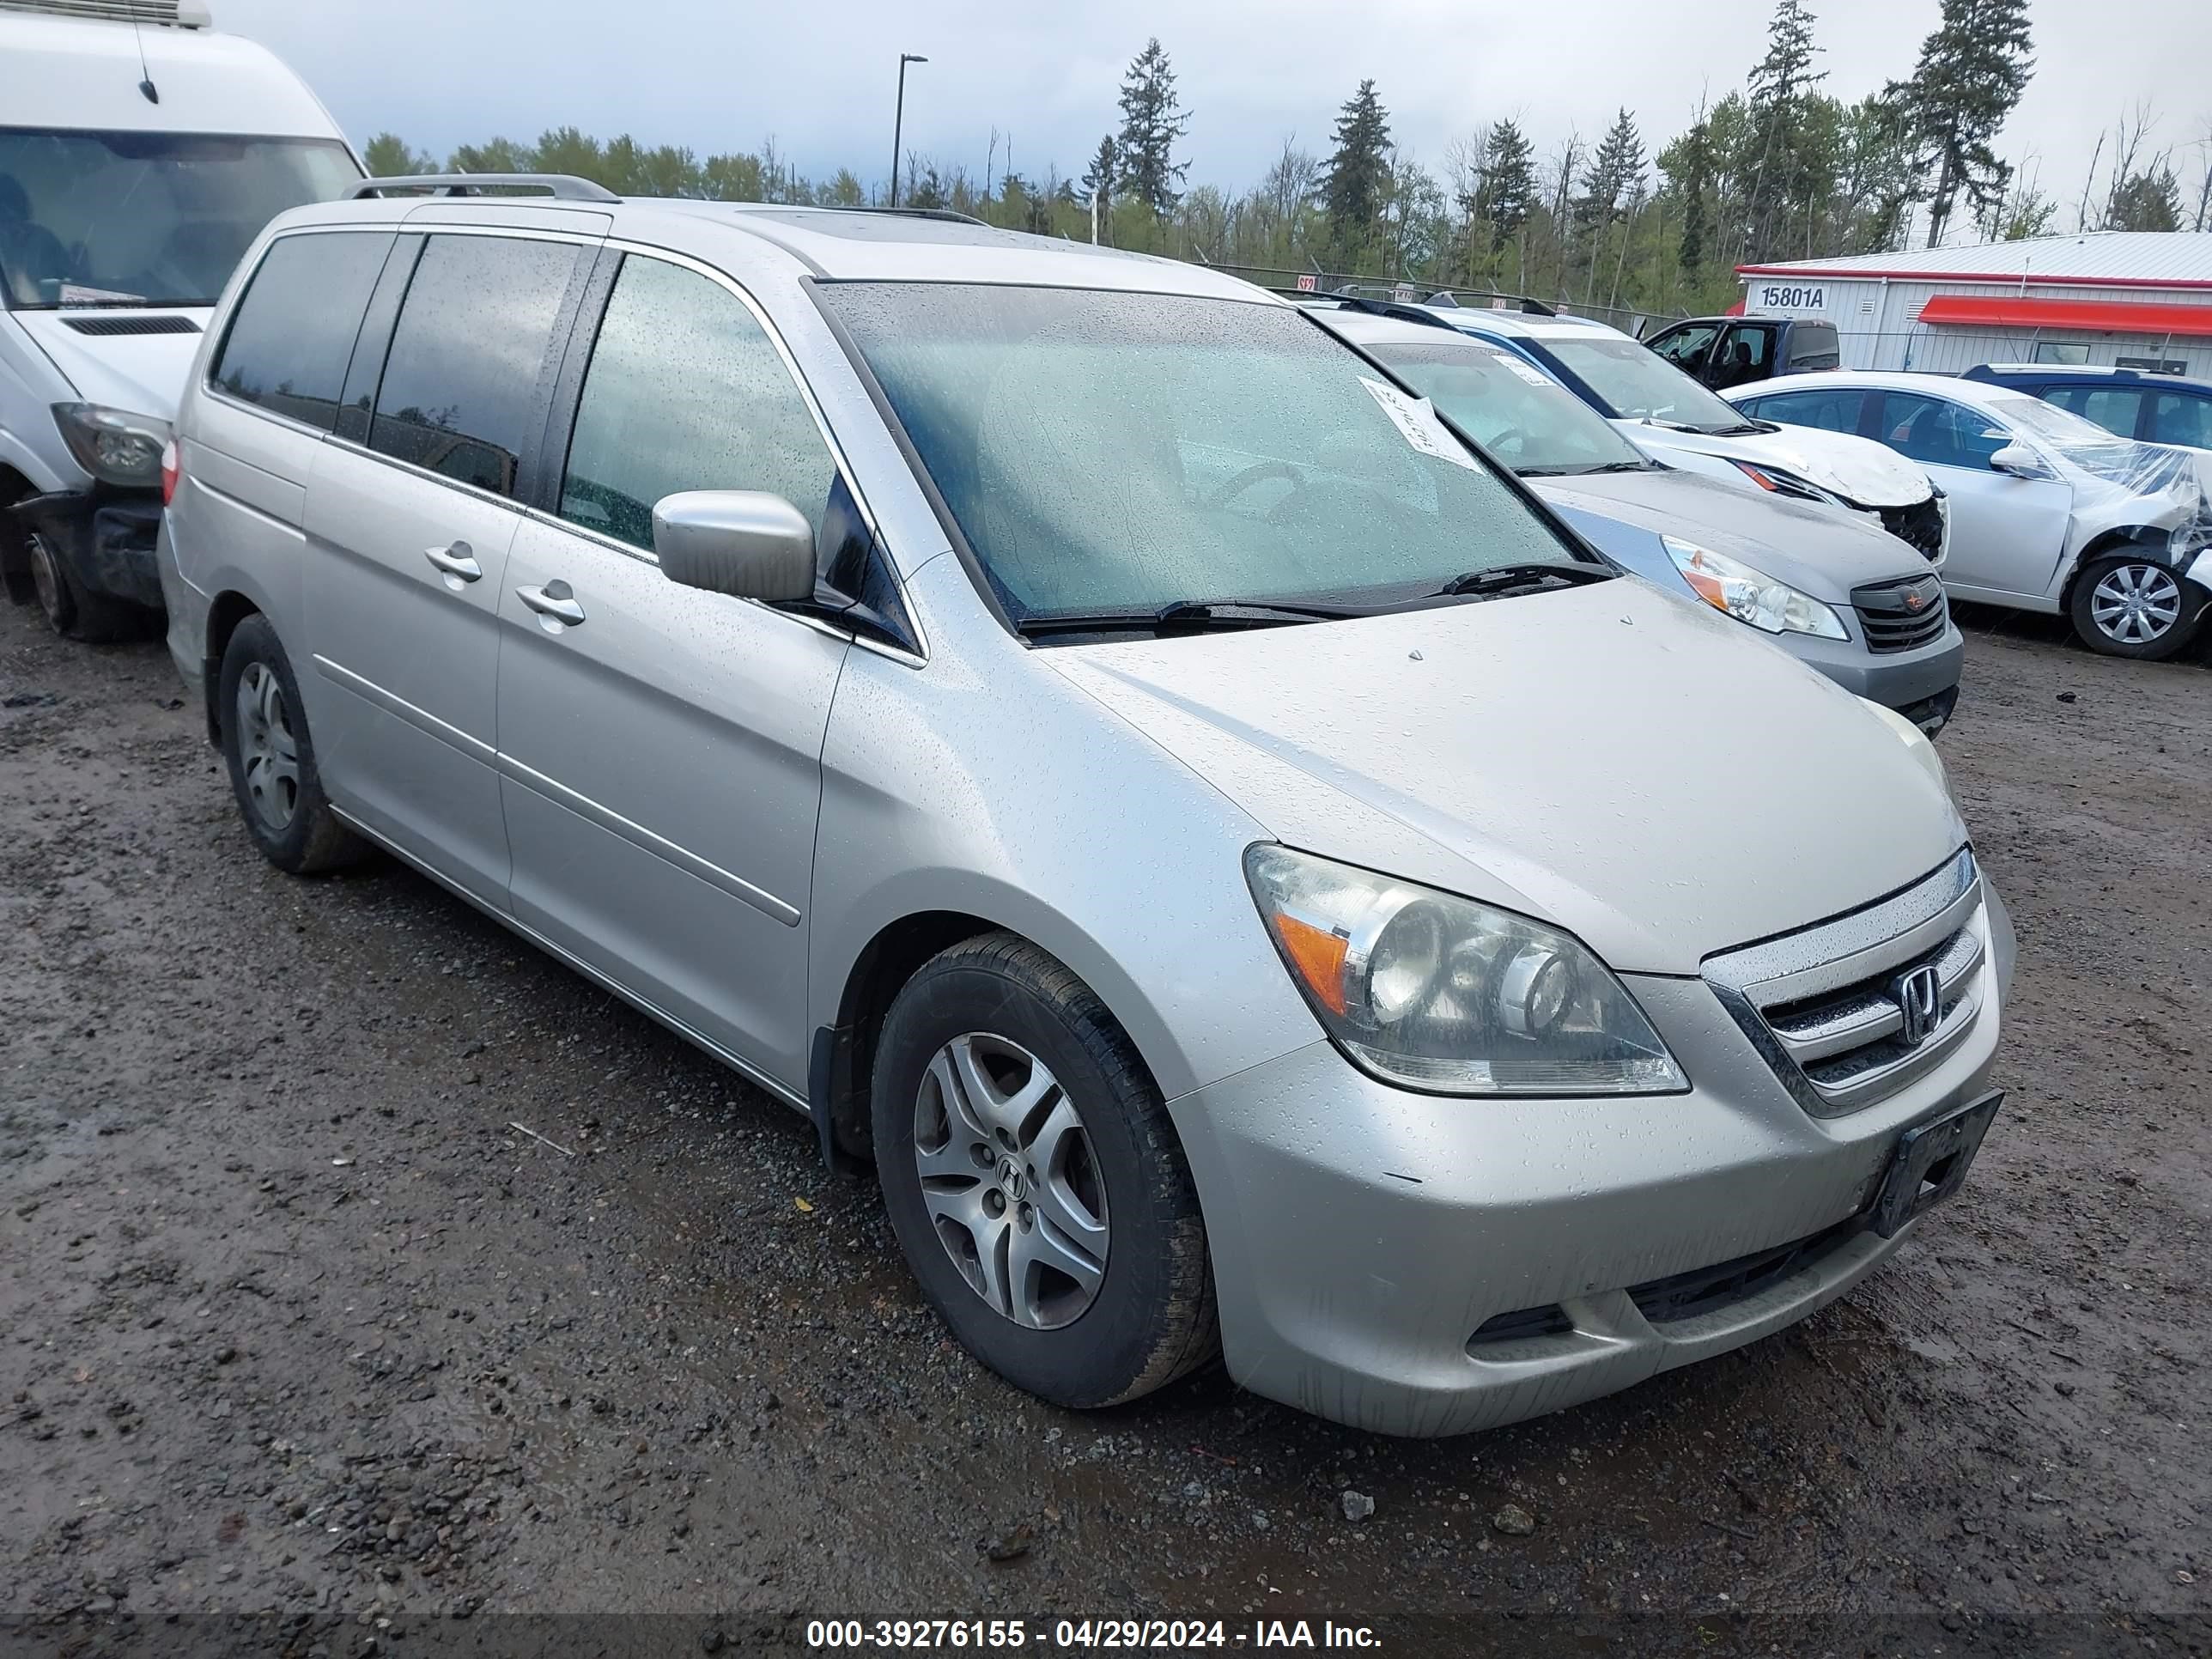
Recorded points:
(717, 75)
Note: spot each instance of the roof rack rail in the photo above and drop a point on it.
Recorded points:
(565, 186)
(1534, 308)
(945, 214)
(1402, 310)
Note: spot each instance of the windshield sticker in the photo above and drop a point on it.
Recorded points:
(76, 294)
(1534, 376)
(1417, 418)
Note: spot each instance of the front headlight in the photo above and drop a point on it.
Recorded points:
(1774, 481)
(1752, 596)
(113, 445)
(1438, 993)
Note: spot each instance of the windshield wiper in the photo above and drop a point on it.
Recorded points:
(1526, 577)
(1580, 471)
(1192, 615)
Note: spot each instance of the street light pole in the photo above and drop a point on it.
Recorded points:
(898, 119)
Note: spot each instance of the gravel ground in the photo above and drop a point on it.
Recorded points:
(307, 1345)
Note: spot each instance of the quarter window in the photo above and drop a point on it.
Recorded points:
(468, 353)
(2178, 418)
(292, 334)
(1937, 432)
(685, 392)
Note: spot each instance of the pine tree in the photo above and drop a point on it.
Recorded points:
(1098, 183)
(1616, 170)
(1507, 186)
(1357, 180)
(1690, 165)
(1152, 120)
(2149, 200)
(1971, 72)
(1781, 86)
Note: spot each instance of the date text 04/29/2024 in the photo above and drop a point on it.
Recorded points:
(1122, 1634)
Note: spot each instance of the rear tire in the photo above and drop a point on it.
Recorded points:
(72, 610)
(272, 757)
(1061, 1239)
(2128, 605)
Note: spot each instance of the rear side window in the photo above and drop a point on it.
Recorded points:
(1832, 410)
(1814, 345)
(292, 334)
(2178, 418)
(462, 379)
(685, 392)
(2116, 409)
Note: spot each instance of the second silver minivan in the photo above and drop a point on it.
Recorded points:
(1251, 878)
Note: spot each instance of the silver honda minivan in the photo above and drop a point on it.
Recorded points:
(1250, 877)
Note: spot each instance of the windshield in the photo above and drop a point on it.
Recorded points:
(1108, 452)
(1519, 414)
(1638, 384)
(145, 218)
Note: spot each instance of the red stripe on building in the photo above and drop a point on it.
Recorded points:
(2007, 278)
(2102, 316)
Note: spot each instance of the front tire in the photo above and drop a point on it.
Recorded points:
(1035, 1181)
(71, 610)
(2131, 606)
(272, 757)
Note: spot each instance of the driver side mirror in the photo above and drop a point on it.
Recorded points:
(2019, 460)
(744, 543)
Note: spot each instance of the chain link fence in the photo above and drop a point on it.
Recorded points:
(1371, 286)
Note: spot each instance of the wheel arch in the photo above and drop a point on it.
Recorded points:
(14, 541)
(225, 612)
(2148, 537)
(841, 1054)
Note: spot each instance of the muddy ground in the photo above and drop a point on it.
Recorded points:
(304, 1347)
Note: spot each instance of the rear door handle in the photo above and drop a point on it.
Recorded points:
(553, 601)
(456, 559)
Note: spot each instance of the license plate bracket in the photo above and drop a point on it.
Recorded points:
(1931, 1164)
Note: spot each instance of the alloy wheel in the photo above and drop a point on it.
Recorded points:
(1010, 1180)
(2136, 603)
(267, 752)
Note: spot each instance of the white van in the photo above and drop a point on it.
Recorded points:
(141, 153)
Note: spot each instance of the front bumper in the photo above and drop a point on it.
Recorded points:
(105, 537)
(1362, 1236)
(1908, 681)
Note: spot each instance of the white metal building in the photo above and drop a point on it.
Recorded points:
(2115, 298)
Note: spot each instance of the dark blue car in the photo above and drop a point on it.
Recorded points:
(2154, 409)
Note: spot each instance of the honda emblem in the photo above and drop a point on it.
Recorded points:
(1919, 996)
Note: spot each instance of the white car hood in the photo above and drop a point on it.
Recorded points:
(1861, 470)
(139, 374)
(1651, 776)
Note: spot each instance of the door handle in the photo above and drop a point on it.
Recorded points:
(456, 559)
(554, 602)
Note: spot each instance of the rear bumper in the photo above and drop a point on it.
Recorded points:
(1364, 1236)
(105, 537)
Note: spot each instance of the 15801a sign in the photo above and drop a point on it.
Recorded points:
(1789, 296)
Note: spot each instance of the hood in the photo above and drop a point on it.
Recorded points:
(142, 374)
(1655, 778)
(1815, 549)
(1861, 470)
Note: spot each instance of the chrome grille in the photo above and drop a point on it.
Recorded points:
(1824, 1005)
(1901, 615)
